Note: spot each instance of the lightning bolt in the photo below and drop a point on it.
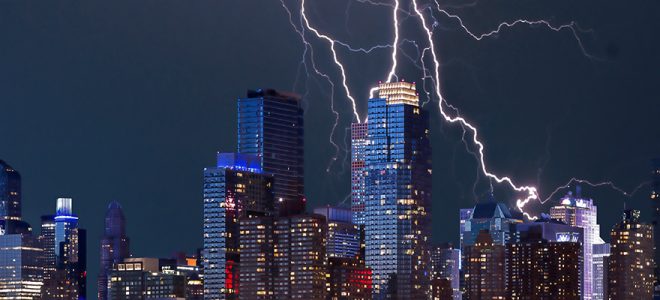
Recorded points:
(432, 74)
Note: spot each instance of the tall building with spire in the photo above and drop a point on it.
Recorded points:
(270, 126)
(581, 212)
(114, 246)
(10, 192)
(398, 193)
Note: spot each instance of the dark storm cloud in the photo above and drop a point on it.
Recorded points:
(129, 100)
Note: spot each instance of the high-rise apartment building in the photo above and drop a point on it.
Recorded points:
(257, 272)
(299, 257)
(359, 140)
(581, 212)
(397, 185)
(343, 236)
(543, 264)
(114, 246)
(270, 126)
(235, 188)
(631, 274)
(484, 267)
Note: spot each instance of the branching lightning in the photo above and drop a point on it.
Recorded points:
(432, 74)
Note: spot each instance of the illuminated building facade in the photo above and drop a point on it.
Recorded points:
(398, 193)
(348, 278)
(232, 189)
(10, 192)
(270, 126)
(581, 212)
(484, 265)
(65, 254)
(256, 264)
(359, 139)
(21, 271)
(631, 263)
(655, 199)
(446, 264)
(114, 245)
(299, 257)
(545, 268)
(343, 236)
(601, 257)
(146, 278)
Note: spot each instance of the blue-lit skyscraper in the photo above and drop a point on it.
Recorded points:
(398, 193)
(69, 280)
(270, 126)
(234, 188)
(10, 192)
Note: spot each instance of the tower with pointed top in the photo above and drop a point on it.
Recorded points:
(114, 245)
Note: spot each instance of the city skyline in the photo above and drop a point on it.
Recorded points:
(98, 132)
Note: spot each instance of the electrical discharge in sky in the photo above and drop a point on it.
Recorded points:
(530, 193)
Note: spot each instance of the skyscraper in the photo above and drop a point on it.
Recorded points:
(398, 193)
(10, 192)
(631, 274)
(484, 266)
(114, 245)
(233, 189)
(446, 264)
(581, 212)
(69, 278)
(146, 278)
(270, 126)
(359, 139)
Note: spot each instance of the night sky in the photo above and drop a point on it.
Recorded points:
(130, 100)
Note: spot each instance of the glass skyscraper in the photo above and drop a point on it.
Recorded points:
(114, 245)
(270, 126)
(235, 188)
(10, 192)
(398, 193)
